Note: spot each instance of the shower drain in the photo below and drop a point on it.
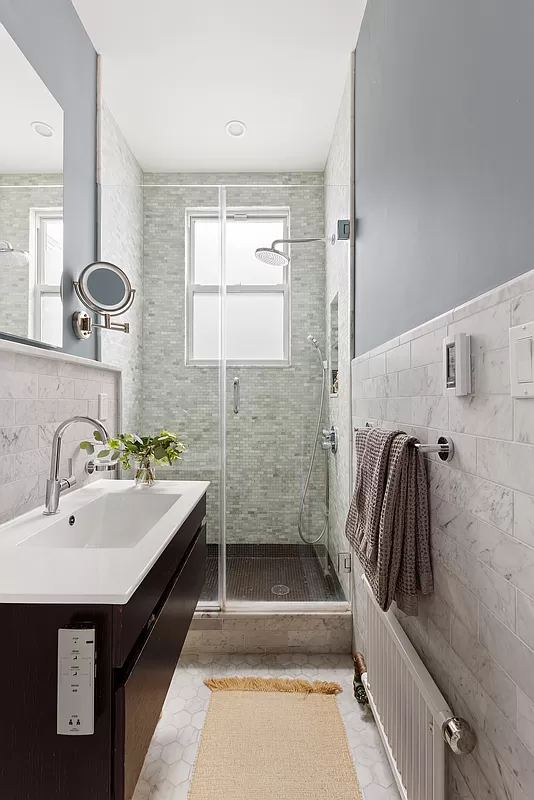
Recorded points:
(280, 589)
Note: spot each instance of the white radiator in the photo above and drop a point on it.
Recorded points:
(409, 709)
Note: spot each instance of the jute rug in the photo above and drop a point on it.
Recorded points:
(272, 739)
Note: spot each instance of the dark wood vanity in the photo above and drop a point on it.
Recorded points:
(137, 647)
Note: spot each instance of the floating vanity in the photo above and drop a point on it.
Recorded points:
(119, 571)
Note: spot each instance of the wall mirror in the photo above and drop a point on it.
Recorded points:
(31, 202)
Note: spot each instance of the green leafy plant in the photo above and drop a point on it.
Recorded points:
(162, 450)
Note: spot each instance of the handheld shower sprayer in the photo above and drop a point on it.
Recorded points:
(300, 526)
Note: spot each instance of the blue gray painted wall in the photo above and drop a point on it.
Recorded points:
(54, 41)
(444, 167)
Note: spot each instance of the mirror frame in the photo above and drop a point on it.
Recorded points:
(90, 302)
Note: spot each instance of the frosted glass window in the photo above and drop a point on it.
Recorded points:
(255, 326)
(257, 295)
(242, 239)
(205, 326)
(51, 319)
(205, 251)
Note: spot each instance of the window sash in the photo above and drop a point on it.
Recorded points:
(240, 288)
(42, 290)
(41, 221)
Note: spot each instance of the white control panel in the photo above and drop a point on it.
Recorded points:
(76, 681)
(457, 364)
(521, 360)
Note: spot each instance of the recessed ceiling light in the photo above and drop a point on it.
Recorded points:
(43, 129)
(235, 128)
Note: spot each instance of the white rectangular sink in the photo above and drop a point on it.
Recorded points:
(113, 520)
(99, 547)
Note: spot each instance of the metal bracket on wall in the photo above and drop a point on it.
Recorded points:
(344, 563)
(343, 229)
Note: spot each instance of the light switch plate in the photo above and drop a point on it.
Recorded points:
(521, 360)
(102, 406)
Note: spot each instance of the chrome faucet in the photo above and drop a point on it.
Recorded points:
(55, 485)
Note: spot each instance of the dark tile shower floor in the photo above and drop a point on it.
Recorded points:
(274, 572)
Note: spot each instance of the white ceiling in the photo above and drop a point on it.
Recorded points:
(174, 72)
(24, 99)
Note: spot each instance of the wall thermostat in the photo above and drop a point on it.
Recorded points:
(457, 364)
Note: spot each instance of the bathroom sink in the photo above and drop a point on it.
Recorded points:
(114, 520)
(100, 546)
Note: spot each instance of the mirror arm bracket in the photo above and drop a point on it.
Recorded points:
(83, 325)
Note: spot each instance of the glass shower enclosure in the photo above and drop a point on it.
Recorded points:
(246, 378)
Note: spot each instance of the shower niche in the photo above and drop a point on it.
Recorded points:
(334, 347)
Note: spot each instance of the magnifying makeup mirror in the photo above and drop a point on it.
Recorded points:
(104, 289)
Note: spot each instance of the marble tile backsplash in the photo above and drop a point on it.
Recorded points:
(475, 633)
(36, 394)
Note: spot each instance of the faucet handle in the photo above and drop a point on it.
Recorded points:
(68, 483)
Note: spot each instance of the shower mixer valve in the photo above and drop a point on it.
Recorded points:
(330, 439)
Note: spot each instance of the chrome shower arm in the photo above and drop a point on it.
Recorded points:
(297, 241)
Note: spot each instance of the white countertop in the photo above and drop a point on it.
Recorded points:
(87, 575)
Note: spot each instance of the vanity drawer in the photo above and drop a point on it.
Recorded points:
(140, 697)
(129, 620)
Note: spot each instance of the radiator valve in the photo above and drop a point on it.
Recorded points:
(359, 689)
(459, 735)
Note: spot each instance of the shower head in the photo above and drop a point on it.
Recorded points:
(272, 256)
(11, 257)
(313, 341)
(275, 258)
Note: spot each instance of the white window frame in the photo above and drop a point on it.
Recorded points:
(38, 288)
(263, 213)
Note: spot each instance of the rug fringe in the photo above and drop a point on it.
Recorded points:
(271, 685)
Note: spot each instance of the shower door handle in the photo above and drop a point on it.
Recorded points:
(236, 395)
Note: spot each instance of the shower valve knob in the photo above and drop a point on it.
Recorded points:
(330, 439)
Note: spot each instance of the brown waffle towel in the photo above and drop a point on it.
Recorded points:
(388, 521)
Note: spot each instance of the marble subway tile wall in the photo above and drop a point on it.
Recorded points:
(475, 633)
(18, 194)
(37, 392)
(269, 442)
(121, 230)
(337, 206)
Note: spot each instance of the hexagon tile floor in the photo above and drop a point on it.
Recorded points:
(171, 757)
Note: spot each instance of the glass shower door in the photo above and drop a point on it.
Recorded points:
(275, 526)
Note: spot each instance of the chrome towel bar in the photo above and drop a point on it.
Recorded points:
(444, 447)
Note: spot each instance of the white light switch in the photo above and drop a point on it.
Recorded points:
(523, 354)
(521, 360)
